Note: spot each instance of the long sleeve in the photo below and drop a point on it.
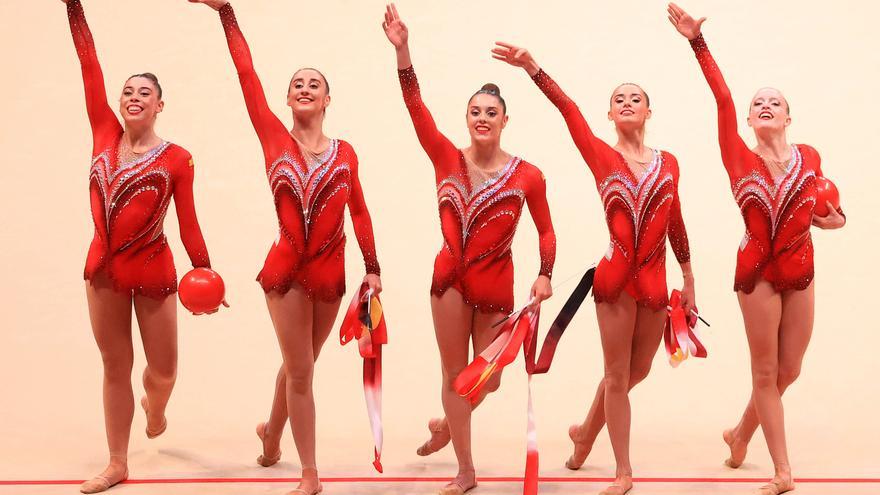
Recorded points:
(676, 232)
(101, 117)
(733, 147)
(265, 123)
(536, 198)
(360, 219)
(440, 150)
(594, 150)
(190, 233)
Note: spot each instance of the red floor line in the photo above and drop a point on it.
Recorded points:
(398, 479)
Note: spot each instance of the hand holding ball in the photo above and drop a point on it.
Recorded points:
(826, 192)
(202, 291)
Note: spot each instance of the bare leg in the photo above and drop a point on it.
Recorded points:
(324, 315)
(795, 331)
(157, 320)
(110, 315)
(270, 432)
(617, 323)
(482, 335)
(293, 316)
(453, 322)
(646, 340)
(762, 315)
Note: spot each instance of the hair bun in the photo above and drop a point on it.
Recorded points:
(491, 88)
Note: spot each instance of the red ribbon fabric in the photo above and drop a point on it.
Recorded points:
(680, 335)
(365, 322)
(521, 330)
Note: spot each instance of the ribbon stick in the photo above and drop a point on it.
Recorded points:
(521, 329)
(680, 335)
(365, 322)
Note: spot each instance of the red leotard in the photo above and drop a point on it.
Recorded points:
(129, 200)
(639, 212)
(310, 194)
(777, 211)
(478, 222)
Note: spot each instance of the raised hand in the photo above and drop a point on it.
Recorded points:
(515, 56)
(683, 22)
(395, 29)
(214, 4)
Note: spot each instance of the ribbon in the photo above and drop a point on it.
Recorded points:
(521, 329)
(680, 335)
(365, 322)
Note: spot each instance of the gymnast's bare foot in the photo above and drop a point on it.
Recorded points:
(464, 482)
(155, 426)
(309, 483)
(621, 485)
(116, 472)
(779, 484)
(271, 447)
(440, 437)
(581, 449)
(737, 449)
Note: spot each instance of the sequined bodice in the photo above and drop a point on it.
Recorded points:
(636, 209)
(310, 197)
(479, 221)
(777, 204)
(143, 185)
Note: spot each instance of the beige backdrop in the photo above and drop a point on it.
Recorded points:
(819, 54)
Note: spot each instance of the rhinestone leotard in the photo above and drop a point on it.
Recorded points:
(777, 211)
(310, 194)
(640, 212)
(129, 200)
(478, 221)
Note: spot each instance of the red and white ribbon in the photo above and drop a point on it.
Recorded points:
(521, 330)
(365, 322)
(680, 335)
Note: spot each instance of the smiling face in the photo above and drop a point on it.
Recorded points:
(308, 94)
(769, 111)
(141, 101)
(629, 106)
(486, 118)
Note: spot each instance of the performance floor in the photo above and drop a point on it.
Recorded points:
(53, 432)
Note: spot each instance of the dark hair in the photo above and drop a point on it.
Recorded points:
(326, 84)
(647, 98)
(153, 79)
(494, 90)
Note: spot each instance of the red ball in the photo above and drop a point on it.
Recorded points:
(825, 191)
(201, 290)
